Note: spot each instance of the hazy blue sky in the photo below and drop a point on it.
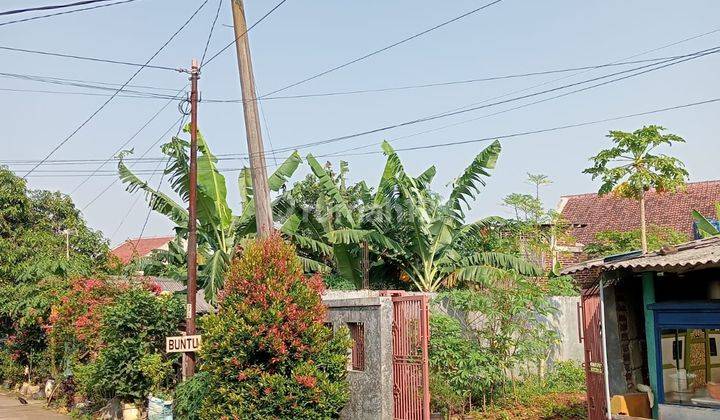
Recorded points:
(305, 37)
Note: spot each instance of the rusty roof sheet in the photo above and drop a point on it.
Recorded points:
(700, 253)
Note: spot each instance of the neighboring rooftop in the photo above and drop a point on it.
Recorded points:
(139, 248)
(703, 253)
(590, 213)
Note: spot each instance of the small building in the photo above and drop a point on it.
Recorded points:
(590, 214)
(140, 247)
(653, 320)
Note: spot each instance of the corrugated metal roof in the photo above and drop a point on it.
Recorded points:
(172, 286)
(700, 253)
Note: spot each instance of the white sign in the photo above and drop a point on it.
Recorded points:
(183, 343)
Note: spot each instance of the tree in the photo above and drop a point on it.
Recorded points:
(538, 180)
(630, 169)
(437, 229)
(33, 226)
(339, 221)
(219, 231)
(612, 242)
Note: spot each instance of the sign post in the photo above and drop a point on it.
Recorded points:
(183, 344)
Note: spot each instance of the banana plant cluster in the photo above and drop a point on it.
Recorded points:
(219, 231)
(437, 228)
(406, 226)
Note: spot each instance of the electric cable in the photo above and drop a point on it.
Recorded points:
(67, 12)
(383, 49)
(63, 142)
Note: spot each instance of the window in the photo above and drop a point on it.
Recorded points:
(690, 361)
(357, 352)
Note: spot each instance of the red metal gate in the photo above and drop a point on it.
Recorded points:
(411, 382)
(594, 360)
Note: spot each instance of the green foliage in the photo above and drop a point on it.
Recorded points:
(267, 351)
(460, 368)
(491, 334)
(565, 376)
(612, 242)
(32, 238)
(705, 227)
(337, 282)
(436, 230)
(637, 169)
(133, 362)
(219, 231)
(190, 395)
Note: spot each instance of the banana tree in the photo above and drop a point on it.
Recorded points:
(219, 231)
(336, 227)
(706, 227)
(438, 228)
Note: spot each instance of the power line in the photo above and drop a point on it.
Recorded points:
(131, 138)
(66, 12)
(52, 7)
(659, 66)
(383, 49)
(162, 136)
(85, 58)
(212, 28)
(517, 134)
(59, 145)
(688, 57)
(222, 50)
(91, 84)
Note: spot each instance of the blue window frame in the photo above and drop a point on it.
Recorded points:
(685, 315)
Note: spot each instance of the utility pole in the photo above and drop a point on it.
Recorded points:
(258, 171)
(189, 357)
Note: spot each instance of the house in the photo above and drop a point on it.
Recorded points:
(589, 214)
(140, 247)
(653, 320)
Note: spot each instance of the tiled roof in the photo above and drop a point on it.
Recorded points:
(138, 248)
(590, 213)
(691, 255)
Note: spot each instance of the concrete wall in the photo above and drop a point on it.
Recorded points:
(565, 323)
(371, 390)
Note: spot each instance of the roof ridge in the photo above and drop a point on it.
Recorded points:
(594, 194)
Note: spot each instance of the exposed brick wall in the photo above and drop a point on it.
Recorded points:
(631, 328)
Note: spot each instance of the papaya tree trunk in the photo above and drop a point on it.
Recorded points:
(643, 227)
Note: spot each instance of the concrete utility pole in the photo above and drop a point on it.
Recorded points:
(189, 357)
(258, 171)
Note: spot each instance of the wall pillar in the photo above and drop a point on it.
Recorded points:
(648, 287)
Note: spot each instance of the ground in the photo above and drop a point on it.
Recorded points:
(10, 408)
(553, 406)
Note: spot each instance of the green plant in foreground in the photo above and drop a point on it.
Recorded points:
(133, 362)
(267, 351)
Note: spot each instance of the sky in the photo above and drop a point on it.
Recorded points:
(303, 38)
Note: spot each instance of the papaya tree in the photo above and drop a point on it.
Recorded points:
(630, 168)
(219, 231)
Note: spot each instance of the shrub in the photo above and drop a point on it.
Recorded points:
(565, 376)
(133, 361)
(266, 351)
(189, 396)
(459, 368)
(74, 322)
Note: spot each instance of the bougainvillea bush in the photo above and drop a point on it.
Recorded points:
(267, 351)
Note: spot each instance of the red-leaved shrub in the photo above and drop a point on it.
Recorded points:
(267, 352)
